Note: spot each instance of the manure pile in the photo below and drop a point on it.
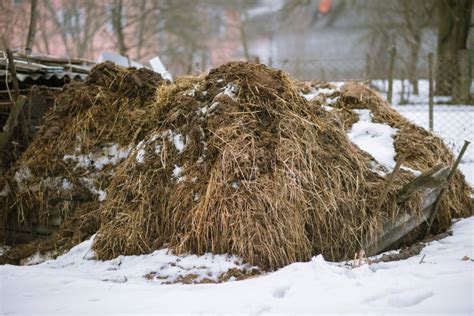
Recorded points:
(60, 181)
(236, 161)
(241, 163)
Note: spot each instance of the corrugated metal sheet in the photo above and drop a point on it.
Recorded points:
(44, 68)
(46, 76)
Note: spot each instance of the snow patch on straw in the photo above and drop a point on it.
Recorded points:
(376, 139)
(229, 90)
(109, 154)
(178, 142)
(177, 171)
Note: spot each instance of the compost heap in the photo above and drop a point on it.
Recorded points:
(60, 181)
(421, 149)
(241, 163)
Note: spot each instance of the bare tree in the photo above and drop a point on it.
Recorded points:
(401, 23)
(76, 23)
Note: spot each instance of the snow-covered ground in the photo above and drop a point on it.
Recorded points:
(75, 285)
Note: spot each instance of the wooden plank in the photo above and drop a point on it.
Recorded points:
(434, 178)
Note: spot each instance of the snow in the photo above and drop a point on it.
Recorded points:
(161, 266)
(76, 284)
(178, 142)
(177, 171)
(374, 138)
(67, 185)
(140, 155)
(175, 138)
(22, 175)
(157, 149)
(109, 154)
(229, 90)
(377, 140)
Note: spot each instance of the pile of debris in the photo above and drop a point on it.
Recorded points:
(237, 161)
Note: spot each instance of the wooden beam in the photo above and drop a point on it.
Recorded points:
(11, 122)
(398, 228)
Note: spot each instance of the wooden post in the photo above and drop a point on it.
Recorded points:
(465, 75)
(367, 73)
(390, 179)
(11, 121)
(11, 66)
(16, 87)
(403, 100)
(440, 196)
(392, 52)
(430, 94)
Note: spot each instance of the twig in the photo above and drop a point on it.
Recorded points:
(421, 261)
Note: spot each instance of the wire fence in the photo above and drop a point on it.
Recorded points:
(448, 110)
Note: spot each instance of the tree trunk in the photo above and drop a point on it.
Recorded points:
(243, 34)
(412, 68)
(141, 29)
(453, 28)
(118, 27)
(30, 41)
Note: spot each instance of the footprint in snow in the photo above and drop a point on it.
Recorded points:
(280, 292)
(409, 298)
